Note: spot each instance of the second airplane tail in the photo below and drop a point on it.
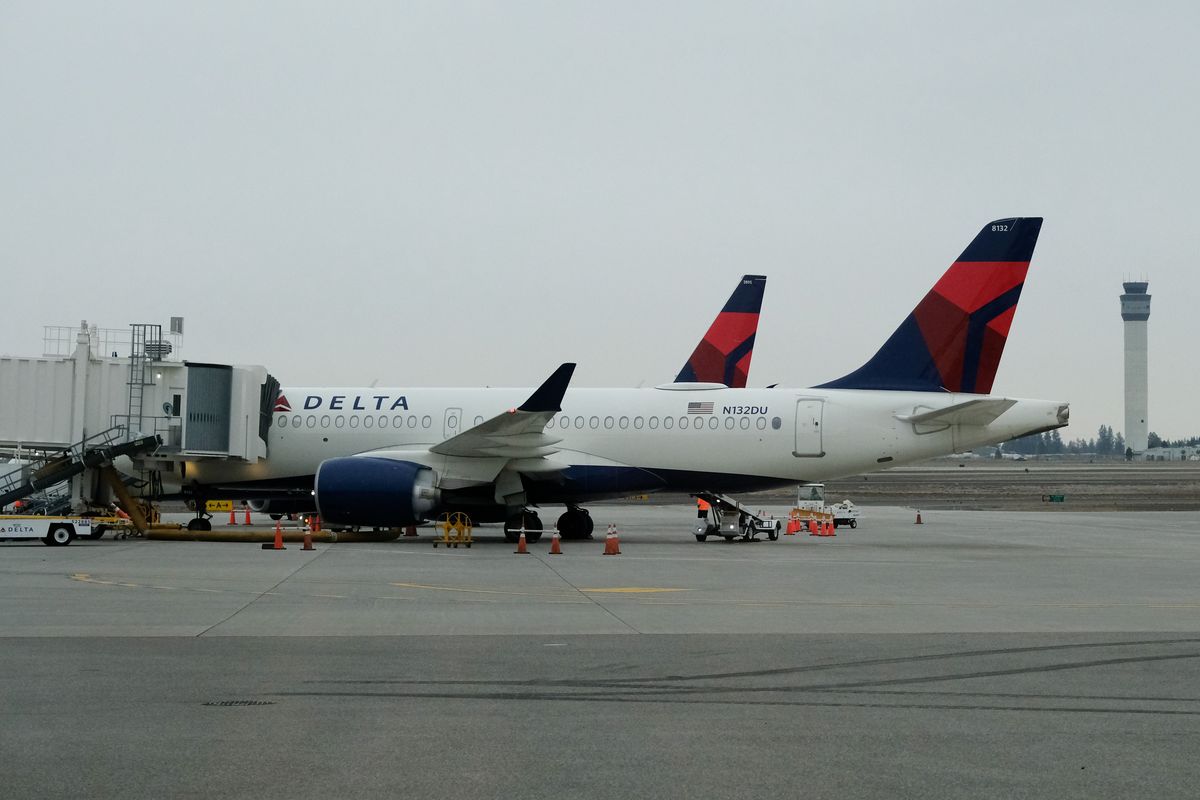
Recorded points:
(723, 355)
(952, 341)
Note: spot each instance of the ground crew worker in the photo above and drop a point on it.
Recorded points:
(701, 508)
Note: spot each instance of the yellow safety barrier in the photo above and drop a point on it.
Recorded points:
(455, 529)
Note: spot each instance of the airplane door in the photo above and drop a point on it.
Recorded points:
(453, 422)
(809, 442)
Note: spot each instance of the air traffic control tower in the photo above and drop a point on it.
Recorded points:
(1135, 310)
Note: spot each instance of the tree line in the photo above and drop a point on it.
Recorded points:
(1107, 442)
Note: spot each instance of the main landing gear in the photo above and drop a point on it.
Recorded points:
(575, 523)
(524, 519)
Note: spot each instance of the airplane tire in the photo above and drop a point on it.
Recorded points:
(575, 524)
(199, 524)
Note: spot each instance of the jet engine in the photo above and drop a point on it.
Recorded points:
(377, 492)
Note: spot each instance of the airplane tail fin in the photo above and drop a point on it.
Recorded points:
(723, 355)
(953, 339)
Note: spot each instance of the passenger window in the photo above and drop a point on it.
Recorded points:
(608, 423)
(426, 421)
(550, 423)
(761, 423)
(412, 421)
(339, 421)
(668, 423)
(479, 420)
(637, 423)
(296, 421)
(776, 423)
(311, 421)
(744, 422)
(713, 423)
(729, 423)
(683, 423)
(353, 421)
(623, 423)
(282, 421)
(324, 420)
(368, 422)
(397, 422)
(594, 423)
(579, 423)
(564, 421)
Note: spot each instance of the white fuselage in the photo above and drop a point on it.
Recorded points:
(700, 439)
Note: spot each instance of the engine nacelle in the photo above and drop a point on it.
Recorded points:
(276, 505)
(375, 491)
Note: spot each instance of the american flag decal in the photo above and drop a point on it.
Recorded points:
(700, 408)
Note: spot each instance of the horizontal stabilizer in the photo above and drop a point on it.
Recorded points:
(971, 412)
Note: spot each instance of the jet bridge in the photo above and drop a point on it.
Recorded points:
(69, 413)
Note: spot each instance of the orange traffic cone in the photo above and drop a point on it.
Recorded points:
(247, 522)
(829, 528)
(521, 549)
(918, 522)
(411, 530)
(555, 547)
(307, 541)
(279, 536)
(232, 518)
(812, 527)
(793, 525)
(612, 543)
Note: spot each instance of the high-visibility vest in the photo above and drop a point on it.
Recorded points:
(701, 505)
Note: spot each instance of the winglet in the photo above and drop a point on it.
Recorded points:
(548, 396)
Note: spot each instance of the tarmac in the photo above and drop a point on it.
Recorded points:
(978, 654)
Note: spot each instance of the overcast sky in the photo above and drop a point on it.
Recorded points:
(471, 193)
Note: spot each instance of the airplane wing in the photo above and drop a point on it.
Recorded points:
(518, 433)
(970, 412)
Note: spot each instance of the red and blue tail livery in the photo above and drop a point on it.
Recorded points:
(723, 355)
(953, 339)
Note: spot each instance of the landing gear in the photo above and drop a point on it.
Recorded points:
(199, 524)
(523, 519)
(575, 523)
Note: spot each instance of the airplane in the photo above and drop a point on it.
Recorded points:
(394, 457)
(722, 355)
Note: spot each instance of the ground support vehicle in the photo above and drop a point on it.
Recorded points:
(51, 530)
(728, 518)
